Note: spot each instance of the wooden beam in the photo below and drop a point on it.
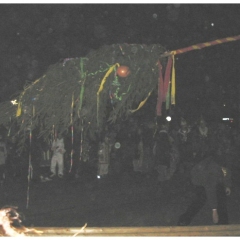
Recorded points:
(215, 230)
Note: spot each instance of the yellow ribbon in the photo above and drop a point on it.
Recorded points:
(102, 84)
(72, 105)
(33, 110)
(141, 103)
(173, 80)
(19, 109)
(105, 77)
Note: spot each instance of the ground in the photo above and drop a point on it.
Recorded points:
(117, 201)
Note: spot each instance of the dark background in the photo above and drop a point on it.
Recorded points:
(34, 36)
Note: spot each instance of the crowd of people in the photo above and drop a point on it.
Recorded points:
(206, 155)
(203, 152)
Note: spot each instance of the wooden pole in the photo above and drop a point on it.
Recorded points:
(200, 46)
(215, 230)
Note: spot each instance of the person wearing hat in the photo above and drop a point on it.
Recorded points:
(3, 157)
(212, 180)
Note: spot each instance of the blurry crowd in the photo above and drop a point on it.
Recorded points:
(135, 147)
(203, 152)
(168, 147)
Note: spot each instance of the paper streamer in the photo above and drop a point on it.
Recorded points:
(160, 90)
(30, 169)
(173, 84)
(167, 76)
(102, 84)
(141, 103)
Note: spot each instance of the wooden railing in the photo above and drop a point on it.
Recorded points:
(215, 230)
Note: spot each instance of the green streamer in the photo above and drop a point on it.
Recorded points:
(83, 76)
(81, 95)
(168, 98)
(120, 97)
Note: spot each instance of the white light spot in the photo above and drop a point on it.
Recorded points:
(212, 24)
(14, 102)
(168, 118)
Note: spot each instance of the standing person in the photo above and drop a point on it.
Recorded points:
(201, 140)
(58, 156)
(104, 153)
(3, 157)
(184, 144)
(143, 160)
(162, 153)
(212, 180)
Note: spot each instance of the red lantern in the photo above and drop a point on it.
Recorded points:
(123, 71)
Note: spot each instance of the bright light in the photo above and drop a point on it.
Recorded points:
(227, 119)
(168, 118)
(98, 176)
(14, 102)
(212, 24)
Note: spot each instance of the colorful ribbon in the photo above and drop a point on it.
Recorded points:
(72, 151)
(167, 76)
(187, 49)
(72, 105)
(173, 82)
(160, 90)
(83, 76)
(30, 169)
(141, 103)
(101, 87)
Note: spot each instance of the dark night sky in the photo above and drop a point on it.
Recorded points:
(34, 36)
